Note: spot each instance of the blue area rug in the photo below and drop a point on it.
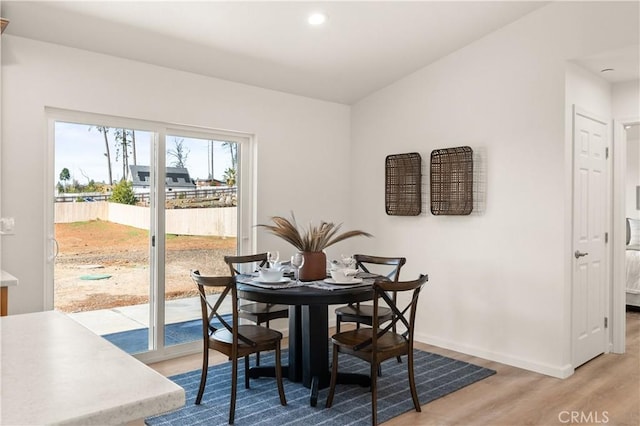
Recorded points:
(436, 376)
(135, 341)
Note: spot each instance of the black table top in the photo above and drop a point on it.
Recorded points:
(304, 295)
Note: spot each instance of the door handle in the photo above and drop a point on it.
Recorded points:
(578, 254)
(55, 249)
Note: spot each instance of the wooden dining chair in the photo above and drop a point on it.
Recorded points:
(256, 312)
(363, 313)
(233, 340)
(377, 344)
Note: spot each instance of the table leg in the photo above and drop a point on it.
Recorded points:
(315, 345)
(315, 389)
(295, 343)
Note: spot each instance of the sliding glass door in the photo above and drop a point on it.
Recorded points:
(101, 221)
(200, 225)
(136, 206)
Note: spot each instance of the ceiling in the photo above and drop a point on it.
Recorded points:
(363, 47)
(616, 65)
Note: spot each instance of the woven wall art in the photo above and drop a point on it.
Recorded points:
(403, 190)
(452, 181)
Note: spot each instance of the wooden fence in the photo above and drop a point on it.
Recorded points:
(220, 221)
(206, 192)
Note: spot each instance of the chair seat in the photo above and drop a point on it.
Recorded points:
(262, 312)
(262, 336)
(389, 344)
(362, 314)
(263, 308)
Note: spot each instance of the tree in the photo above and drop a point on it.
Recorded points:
(123, 136)
(210, 159)
(65, 176)
(104, 131)
(85, 176)
(133, 147)
(230, 176)
(123, 193)
(233, 152)
(180, 153)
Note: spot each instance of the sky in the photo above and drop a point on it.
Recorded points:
(81, 149)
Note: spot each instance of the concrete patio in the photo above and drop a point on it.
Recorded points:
(107, 321)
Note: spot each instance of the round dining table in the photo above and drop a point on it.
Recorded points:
(308, 331)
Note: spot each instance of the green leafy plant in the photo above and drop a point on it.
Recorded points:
(123, 193)
(312, 239)
(230, 176)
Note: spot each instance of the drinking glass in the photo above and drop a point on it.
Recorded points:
(348, 261)
(297, 262)
(273, 257)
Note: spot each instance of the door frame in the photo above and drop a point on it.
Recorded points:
(246, 196)
(618, 328)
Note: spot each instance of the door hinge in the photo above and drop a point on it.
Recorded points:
(606, 237)
(606, 152)
(606, 322)
(153, 241)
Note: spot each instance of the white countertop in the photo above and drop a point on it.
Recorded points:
(55, 371)
(7, 280)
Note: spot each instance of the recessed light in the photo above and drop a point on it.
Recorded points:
(317, 19)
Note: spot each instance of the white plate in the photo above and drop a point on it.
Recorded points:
(353, 281)
(280, 281)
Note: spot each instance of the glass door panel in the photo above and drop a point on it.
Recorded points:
(101, 272)
(200, 225)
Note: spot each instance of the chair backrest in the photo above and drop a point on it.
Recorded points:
(364, 263)
(223, 285)
(405, 314)
(234, 262)
(212, 319)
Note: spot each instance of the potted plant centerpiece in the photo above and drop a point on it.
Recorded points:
(310, 242)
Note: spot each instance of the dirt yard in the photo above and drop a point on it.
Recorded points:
(98, 248)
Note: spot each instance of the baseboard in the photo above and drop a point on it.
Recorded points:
(560, 372)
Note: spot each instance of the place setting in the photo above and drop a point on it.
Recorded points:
(278, 275)
(343, 274)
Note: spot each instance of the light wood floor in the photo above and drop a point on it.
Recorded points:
(606, 390)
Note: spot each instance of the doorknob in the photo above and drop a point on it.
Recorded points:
(578, 254)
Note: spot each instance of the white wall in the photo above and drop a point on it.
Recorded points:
(587, 91)
(625, 105)
(500, 281)
(625, 100)
(296, 140)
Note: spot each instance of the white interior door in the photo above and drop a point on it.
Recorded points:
(589, 295)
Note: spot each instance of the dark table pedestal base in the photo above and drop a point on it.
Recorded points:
(316, 383)
(309, 353)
